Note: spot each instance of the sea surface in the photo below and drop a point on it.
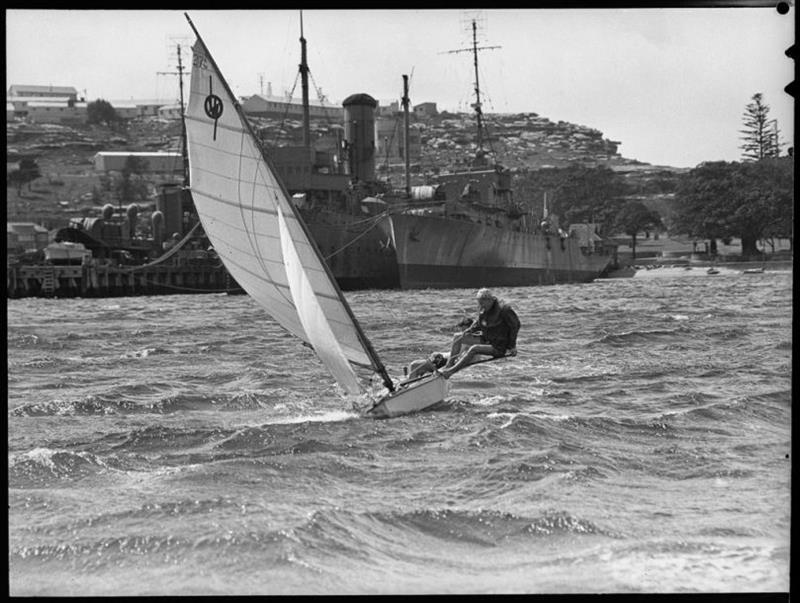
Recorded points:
(185, 445)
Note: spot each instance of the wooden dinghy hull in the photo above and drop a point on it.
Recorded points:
(412, 397)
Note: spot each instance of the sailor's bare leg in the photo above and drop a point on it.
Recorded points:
(467, 358)
(461, 340)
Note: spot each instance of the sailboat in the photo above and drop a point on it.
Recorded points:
(259, 235)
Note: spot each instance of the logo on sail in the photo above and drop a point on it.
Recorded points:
(213, 106)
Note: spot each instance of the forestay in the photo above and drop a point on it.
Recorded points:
(253, 226)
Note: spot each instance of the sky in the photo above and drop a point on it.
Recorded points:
(670, 84)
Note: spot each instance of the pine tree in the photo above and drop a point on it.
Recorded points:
(760, 136)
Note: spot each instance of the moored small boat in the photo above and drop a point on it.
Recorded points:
(66, 252)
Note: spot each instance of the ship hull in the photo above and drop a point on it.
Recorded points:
(357, 252)
(436, 252)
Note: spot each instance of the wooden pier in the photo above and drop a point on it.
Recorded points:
(96, 280)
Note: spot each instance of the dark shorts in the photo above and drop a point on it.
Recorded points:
(498, 352)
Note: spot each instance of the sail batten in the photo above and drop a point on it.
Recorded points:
(253, 225)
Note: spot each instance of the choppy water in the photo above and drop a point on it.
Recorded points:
(185, 445)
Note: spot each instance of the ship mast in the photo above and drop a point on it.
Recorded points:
(477, 106)
(304, 86)
(406, 152)
(184, 148)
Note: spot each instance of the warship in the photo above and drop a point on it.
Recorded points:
(465, 229)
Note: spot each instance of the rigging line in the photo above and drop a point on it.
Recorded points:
(376, 217)
(168, 254)
(180, 288)
(289, 100)
(328, 116)
(356, 238)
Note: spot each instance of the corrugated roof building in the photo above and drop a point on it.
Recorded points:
(42, 91)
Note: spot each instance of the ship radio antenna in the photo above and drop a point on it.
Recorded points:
(477, 106)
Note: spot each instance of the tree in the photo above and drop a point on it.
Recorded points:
(130, 186)
(760, 136)
(750, 200)
(635, 217)
(101, 112)
(576, 193)
(27, 172)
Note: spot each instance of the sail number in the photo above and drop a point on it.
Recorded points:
(199, 60)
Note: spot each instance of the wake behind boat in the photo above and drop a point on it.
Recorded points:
(259, 235)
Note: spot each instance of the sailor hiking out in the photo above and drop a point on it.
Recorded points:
(493, 333)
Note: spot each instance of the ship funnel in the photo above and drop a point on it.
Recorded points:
(131, 214)
(359, 135)
(158, 229)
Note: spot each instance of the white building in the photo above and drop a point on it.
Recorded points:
(53, 112)
(40, 92)
(170, 111)
(269, 106)
(158, 163)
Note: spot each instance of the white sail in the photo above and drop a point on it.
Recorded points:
(311, 315)
(240, 202)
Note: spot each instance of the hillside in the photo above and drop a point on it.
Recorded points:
(69, 186)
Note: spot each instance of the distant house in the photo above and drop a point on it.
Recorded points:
(390, 110)
(143, 108)
(40, 92)
(269, 106)
(54, 112)
(149, 108)
(46, 104)
(21, 102)
(154, 163)
(426, 110)
(170, 111)
(126, 110)
(25, 236)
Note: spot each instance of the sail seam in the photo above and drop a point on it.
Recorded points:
(234, 226)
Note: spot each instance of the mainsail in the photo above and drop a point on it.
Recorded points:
(256, 230)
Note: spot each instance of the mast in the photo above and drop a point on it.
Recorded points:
(477, 106)
(304, 87)
(369, 349)
(406, 152)
(184, 149)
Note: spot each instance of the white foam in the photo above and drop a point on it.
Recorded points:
(332, 416)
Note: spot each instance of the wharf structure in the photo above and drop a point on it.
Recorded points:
(102, 280)
(104, 257)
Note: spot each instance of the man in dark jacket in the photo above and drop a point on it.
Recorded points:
(492, 333)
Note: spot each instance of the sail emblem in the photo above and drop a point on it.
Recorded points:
(213, 106)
